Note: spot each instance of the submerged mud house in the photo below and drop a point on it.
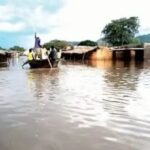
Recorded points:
(128, 53)
(3, 56)
(146, 50)
(87, 53)
(15, 54)
(104, 53)
(78, 53)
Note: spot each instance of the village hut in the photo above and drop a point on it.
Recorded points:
(87, 53)
(3, 56)
(146, 50)
(78, 53)
(106, 53)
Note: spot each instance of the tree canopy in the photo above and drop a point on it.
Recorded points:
(121, 31)
(17, 48)
(87, 43)
(1, 48)
(136, 41)
(56, 43)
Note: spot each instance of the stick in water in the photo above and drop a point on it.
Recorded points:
(49, 62)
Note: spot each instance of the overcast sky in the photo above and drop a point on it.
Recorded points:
(72, 20)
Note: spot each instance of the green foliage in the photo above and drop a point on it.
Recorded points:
(17, 48)
(1, 48)
(135, 41)
(121, 31)
(144, 38)
(87, 43)
(72, 43)
(56, 43)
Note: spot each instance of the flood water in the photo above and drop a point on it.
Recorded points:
(94, 106)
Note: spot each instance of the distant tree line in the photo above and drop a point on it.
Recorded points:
(87, 43)
(144, 38)
(17, 48)
(58, 44)
(116, 33)
(14, 48)
(1, 48)
(64, 44)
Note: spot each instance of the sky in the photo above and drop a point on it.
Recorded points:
(71, 20)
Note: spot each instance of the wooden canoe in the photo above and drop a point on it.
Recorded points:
(44, 63)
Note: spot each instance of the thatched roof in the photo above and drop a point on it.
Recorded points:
(80, 50)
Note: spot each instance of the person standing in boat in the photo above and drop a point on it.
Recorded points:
(37, 48)
(53, 54)
(59, 52)
(30, 57)
(44, 53)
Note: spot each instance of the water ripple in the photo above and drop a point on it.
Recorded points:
(75, 105)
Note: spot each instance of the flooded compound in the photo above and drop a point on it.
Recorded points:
(96, 106)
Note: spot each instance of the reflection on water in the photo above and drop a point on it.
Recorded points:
(97, 105)
(106, 64)
(3, 64)
(40, 81)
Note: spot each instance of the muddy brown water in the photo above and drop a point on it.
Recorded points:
(96, 106)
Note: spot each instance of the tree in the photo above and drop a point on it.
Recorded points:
(17, 48)
(56, 43)
(136, 41)
(121, 31)
(1, 48)
(87, 43)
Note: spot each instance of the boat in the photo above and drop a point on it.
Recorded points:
(41, 54)
(43, 63)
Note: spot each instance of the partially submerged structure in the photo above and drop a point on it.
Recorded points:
(88, 53)
(146, 50)
(4, 56)
(104, 53)
(79, 52)
(127, 53)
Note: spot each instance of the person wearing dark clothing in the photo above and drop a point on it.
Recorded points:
(37, 42)
(53, 55)
(38, 48)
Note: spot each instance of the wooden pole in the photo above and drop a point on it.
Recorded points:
(49, 62)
